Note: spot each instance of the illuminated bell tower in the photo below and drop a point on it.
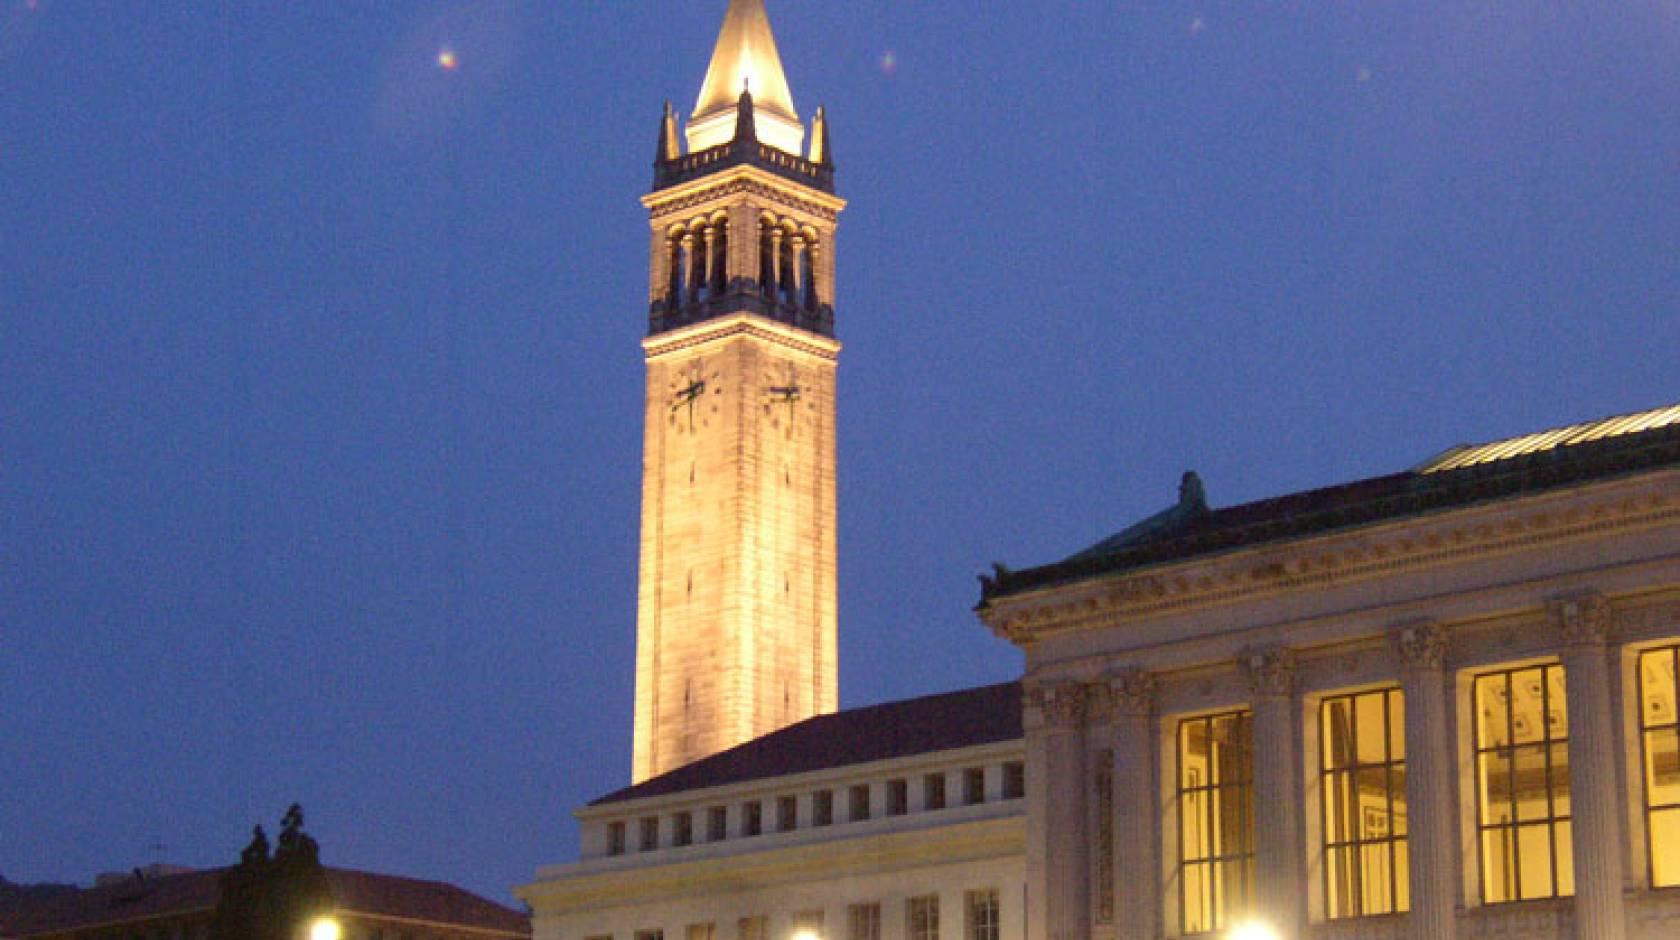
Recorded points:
(735, 632)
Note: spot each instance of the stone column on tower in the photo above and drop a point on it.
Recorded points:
(1421, 649)
(1278, 877)
(1584, 624)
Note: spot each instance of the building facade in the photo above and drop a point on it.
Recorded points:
(1435, 704)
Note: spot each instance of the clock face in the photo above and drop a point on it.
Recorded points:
(692, 397)
(785, 397)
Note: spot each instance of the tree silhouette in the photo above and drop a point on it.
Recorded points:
(274, 897)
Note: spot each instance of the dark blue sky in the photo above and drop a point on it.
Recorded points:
(320, 388)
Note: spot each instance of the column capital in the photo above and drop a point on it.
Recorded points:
(1063, 704)
(1583, 620)
(1420, 644)
(1131, 692)
(1270, 673)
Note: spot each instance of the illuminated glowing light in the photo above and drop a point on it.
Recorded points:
(325, 928)
(889, 62)
(1253, 930)
(447, 61)
(807, 935)
(1586, 433)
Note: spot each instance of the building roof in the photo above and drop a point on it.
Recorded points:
(357, 893)
(944, 722)
(1462, 476)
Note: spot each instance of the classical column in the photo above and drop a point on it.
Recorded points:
(1137, 827)
(1583, 627)
(778, 277)
(1058, 854)
(1421, 649)
(688, 267)
(1278, 863)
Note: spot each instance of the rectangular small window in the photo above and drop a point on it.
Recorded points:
(599, 936)
(822, 808)
(898, 797)
(717, 824)
(706, 931)
(860, 802)
(921, 918)
(650, 833)
(974, 785)
(1215, 821)
(650, 935)
(933, 791)
(808, 924)
(1522, 784)
(1014, 780)
(787, 813)
(1659, 735)
(754, 928)
(1362, 766)
(752, 818)
(615, 838)
(685, 830)
(863, 922)
(980, 915)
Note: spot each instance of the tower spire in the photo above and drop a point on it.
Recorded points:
(745, 58)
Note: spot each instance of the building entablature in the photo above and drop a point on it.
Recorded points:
(1460, 563)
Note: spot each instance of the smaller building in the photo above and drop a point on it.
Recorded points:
(369, 906)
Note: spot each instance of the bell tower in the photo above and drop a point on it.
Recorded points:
(736, 617)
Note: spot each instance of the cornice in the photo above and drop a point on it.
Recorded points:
(744, 179)
(998, 837)
(1318, 563)
(709, 331)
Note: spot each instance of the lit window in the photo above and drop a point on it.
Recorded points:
(974, 785)
(922, 917)
(898, 797)
(1659, 732)
(980, 915)
(704, 931)
(1215, 820)
(754, 928)
(787, 813)
(822, 808)
(863, 922)
(1522, 785)
(1362, 759)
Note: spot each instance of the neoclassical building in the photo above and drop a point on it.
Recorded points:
(1434, 704)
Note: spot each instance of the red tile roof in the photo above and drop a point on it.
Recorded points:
(880, 732)
(195, 894)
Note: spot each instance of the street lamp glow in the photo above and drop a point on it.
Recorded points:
(325, 928)
(806, 935)
(1253, 930)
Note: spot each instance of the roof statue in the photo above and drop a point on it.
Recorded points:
(745, 59)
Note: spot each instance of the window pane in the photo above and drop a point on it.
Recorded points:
(1397, 774)
(1662, 767)
(1371, 731)
(1499, 871)
(1534, 861)
(1560, 779)
(1494, 779)
(1197, 896)
(1559, 711)
(1527, 706)
(1397, 725)
(1341, 807)
(1565, 837)
(1373, 803)
(1492, 720)
(1337, 732)
(1375, 871)
(1665, 848)
(1402, 877)
(1339, 895)
(1528, 774)
(1192, 814)
(1656, 678)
